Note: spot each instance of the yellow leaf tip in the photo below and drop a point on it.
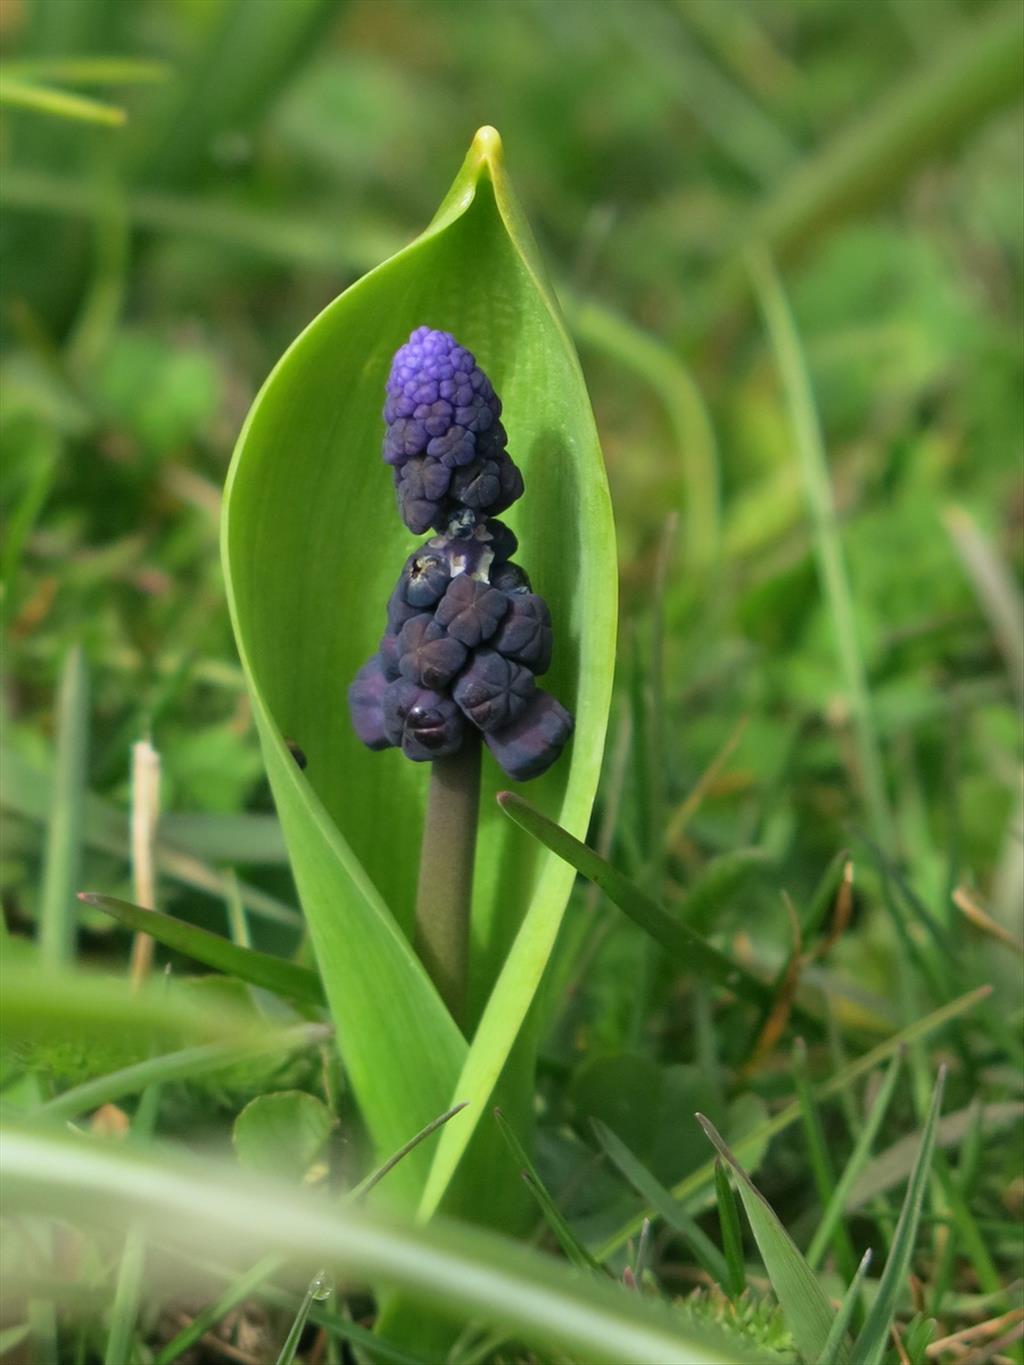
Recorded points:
(487, 143)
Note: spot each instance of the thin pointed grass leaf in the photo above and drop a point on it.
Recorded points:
(676, 937)
(693, 1185)
(311, 545)
(805, 1304)
(732, 1234)
(836, 1341)
(256, 1276)
(870, 1344)
(212, 950)
(64, 830)
(465, 1271)
(574, 1249)
(836, 1206)
(651, 1189)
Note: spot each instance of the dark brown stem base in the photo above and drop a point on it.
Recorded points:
(444, 895)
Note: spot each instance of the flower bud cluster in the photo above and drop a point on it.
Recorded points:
(466, 636)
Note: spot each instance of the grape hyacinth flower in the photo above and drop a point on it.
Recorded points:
(465, 634)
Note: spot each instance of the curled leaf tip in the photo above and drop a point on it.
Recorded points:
(487, 144)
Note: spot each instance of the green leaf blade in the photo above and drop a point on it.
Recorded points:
(311, 548)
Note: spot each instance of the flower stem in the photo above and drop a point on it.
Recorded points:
(444, 895)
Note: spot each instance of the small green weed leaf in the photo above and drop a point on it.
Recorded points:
(258, 969)
(282, 1134)
(870, 1345)
(311, 547)
(448, 1266)
(652, 1190)
(808, 1312)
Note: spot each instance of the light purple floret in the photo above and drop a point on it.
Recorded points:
(439, 401)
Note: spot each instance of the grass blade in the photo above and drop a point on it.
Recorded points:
(574, 1249)
(28, 792)
(676, 937)
(694, 1184)
(835, 585)
(174, 1066)
(44, 99)
(651, 1189)
(732, 1233)
(212, 950)
(257, 1275)
(469, 1272)
(836, 1206)
(808, 1312)
(821, 1161)
(64, 835)
(835, 1342)
(870, 1344)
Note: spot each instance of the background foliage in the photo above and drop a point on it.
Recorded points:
(793, 682)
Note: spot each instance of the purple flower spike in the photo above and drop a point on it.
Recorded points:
(466, 634)
(365, 702)
(493, 691)
(425, 723)
(470, 610)
(427, 654)
(530, 745)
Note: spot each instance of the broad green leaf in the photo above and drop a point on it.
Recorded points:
(259, 969)
(870, 1345)
(281, 1134)
(474, 1275)
(312, 546)
(809, 1314)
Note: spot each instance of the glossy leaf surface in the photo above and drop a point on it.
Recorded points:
(312, 545)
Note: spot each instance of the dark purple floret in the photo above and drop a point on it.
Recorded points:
(502, 540)
(426, 577)
(427, 654)
(421, 486)
(425, 723)
(530, 745)
(365, 701)
(525, 633)
(470, 610)
(489, 484)
(510, 578)
(493, 691)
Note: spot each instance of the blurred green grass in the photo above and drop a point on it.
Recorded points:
(153, 273)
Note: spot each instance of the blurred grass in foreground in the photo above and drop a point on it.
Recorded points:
(822, 666)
